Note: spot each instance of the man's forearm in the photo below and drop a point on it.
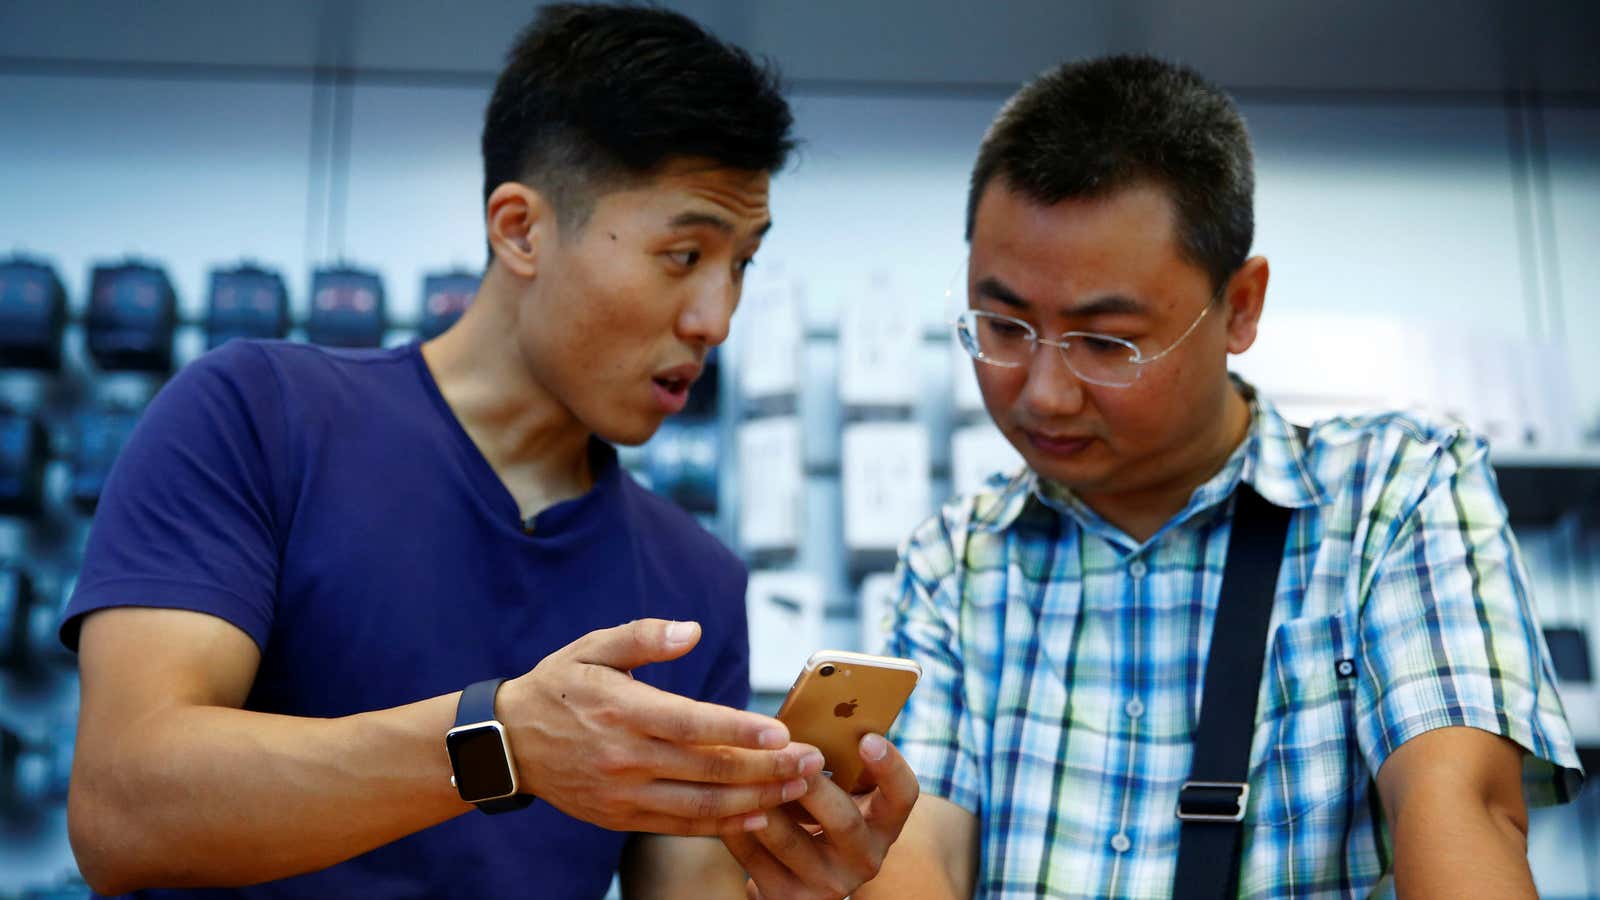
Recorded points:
(1461, 848)
(667, 867)
(912, 868)
(926, 882)
(205, 795)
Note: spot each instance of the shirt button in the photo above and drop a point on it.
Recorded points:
(1134, 708)
(1138, 569)
(1120, 843)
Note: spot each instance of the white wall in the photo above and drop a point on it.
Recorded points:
(190, 173)
(1574, 141)
(415, 186)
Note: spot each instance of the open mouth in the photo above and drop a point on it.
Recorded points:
(674, 386)
(672, 393)
(671, 386)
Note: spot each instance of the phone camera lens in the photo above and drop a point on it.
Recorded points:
(826, 670)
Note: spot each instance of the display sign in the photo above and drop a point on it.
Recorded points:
(347, 308)
(445, 296)
(876, 597)
(771, 340)
(785, 611)
(976, 453)
(706, 393)
(133, 313)
(43, 770)
(33, 311)
(246, 302)
(771, 480)
(16, 602)
(886, 489)
(44, 647)
(964, 381)
(24, 450)
(681, 463)
(879, 338)
(101, 434)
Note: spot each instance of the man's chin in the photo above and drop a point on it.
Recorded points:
(628, 434)
(1080, 476)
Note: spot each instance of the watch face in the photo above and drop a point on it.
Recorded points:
(480, 758)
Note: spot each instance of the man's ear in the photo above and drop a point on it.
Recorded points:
(1242, 301)
(517, 218)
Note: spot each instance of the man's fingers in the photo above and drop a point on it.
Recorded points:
(843, 825)
(715, 802)
(684, 721)
(888, 807)
(650, 711)
(733, 765)
(768, 877)
(663, 823)
(638, 643)
(797, 851)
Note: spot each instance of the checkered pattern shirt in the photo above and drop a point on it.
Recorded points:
(1062, 661)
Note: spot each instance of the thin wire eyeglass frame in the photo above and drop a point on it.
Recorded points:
(966, 336)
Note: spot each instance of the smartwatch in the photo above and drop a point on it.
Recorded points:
(480, 753)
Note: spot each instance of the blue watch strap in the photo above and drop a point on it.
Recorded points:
(477, 702)
(477, 705)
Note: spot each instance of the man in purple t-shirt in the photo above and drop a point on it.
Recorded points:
(335, 599)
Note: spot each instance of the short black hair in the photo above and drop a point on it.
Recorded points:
(594, 97)
(1086, 129)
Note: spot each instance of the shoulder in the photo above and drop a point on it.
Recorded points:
(1390, 451)
(969, 529)
(221, 390)
(250, 367)
(296, 363)
(312, 383)
(1386, 478)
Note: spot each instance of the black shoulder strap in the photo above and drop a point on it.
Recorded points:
(1213, 802)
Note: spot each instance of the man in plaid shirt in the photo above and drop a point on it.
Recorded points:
(1407, 711)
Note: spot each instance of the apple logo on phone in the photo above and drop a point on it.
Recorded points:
(845, 710)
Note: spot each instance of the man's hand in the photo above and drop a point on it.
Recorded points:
(845, 848)
(606, 749)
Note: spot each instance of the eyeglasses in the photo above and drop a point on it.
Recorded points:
(1096, 358)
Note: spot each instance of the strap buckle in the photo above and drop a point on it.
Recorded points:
(1209, 801)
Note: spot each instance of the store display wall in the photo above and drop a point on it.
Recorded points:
(1403, 209)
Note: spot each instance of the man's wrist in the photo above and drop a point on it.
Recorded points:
(483, 767)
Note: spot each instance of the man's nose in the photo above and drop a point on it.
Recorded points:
(1052, 389)
(709, 313)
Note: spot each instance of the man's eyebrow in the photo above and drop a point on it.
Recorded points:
(1110, 304)
(699, 219)
(995, 289)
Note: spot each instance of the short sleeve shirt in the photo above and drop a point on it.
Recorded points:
(1063, 661)
(329, 505)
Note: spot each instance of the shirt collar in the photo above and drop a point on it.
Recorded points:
(1270, 459)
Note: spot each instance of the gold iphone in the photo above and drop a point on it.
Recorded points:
(839, 698)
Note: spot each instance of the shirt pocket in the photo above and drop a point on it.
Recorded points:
(1305, 752)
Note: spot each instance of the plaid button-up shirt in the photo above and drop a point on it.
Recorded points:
(1062, 661)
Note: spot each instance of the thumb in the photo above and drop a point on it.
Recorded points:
(638, 643)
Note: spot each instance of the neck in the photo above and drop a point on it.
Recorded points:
(1142, 511)
(533, 443)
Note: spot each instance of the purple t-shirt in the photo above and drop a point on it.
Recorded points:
(329, 504)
